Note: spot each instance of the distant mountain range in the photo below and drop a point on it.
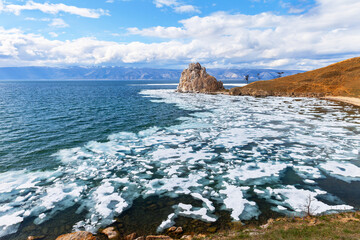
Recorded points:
(122, 73)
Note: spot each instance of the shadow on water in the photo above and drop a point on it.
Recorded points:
(347, 192)
(62, 223)
(147, 214)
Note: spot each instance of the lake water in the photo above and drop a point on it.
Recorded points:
(81, 155)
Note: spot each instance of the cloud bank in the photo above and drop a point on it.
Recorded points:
(327, 33)
(176, 6)
(50, 8)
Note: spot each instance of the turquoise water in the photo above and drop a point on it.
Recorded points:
(39, 118)
(81, 155)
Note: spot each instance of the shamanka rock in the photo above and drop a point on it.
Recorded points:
(196, 79)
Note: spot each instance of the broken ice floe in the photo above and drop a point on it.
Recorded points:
(225, 150)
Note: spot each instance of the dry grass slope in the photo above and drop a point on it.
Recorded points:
(337, 226)
(339, 79)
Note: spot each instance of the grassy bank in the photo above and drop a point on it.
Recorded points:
(335, 226)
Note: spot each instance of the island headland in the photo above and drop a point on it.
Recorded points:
(339, 81)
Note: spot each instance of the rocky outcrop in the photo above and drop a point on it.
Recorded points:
(196, 79)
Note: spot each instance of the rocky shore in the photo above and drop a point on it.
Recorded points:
(339, 226)
(111, 233)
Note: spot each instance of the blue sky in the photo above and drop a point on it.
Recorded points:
(288, 34)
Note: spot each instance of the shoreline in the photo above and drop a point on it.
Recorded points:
(350, 100)
(343, 224)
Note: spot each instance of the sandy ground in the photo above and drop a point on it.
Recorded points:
(351, 100)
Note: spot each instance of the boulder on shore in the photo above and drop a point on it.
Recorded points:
(196, 79)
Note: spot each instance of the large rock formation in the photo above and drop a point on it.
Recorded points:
(196, 79)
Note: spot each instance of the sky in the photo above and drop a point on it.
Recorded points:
(273, 34)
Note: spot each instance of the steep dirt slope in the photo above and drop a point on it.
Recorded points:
(339, 79)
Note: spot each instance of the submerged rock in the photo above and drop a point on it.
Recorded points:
(178, 230)
(158, 237)
(172, 229)
(111, 233)
(187, 237)
(35, 237)
(131, 236)
(82, 235)
(196, 79)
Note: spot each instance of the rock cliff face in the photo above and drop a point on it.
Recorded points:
(196, 79)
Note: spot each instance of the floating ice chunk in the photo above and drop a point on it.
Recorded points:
(10, 223)
(309, 181)
(104, 195)
(169, 222)
(234, 137)
(299, 200)
(258, 191)
(58, 192)
(256, 170)
(174, 184)
(4, 208)
(197, 213)
(281, 208)
(206, 201)
(110, 148)
(308, 172)
(343, 170)
(20, 180)
(234, 200)
(121, 136)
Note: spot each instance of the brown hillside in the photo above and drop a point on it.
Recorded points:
(339, 79)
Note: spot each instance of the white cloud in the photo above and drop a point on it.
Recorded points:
(51, 8)
(291, 8)
(58, 23)
(266, 40)
(163, 3)
(186, 9)
(270, 40)
(53, 34)
(176, 6)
